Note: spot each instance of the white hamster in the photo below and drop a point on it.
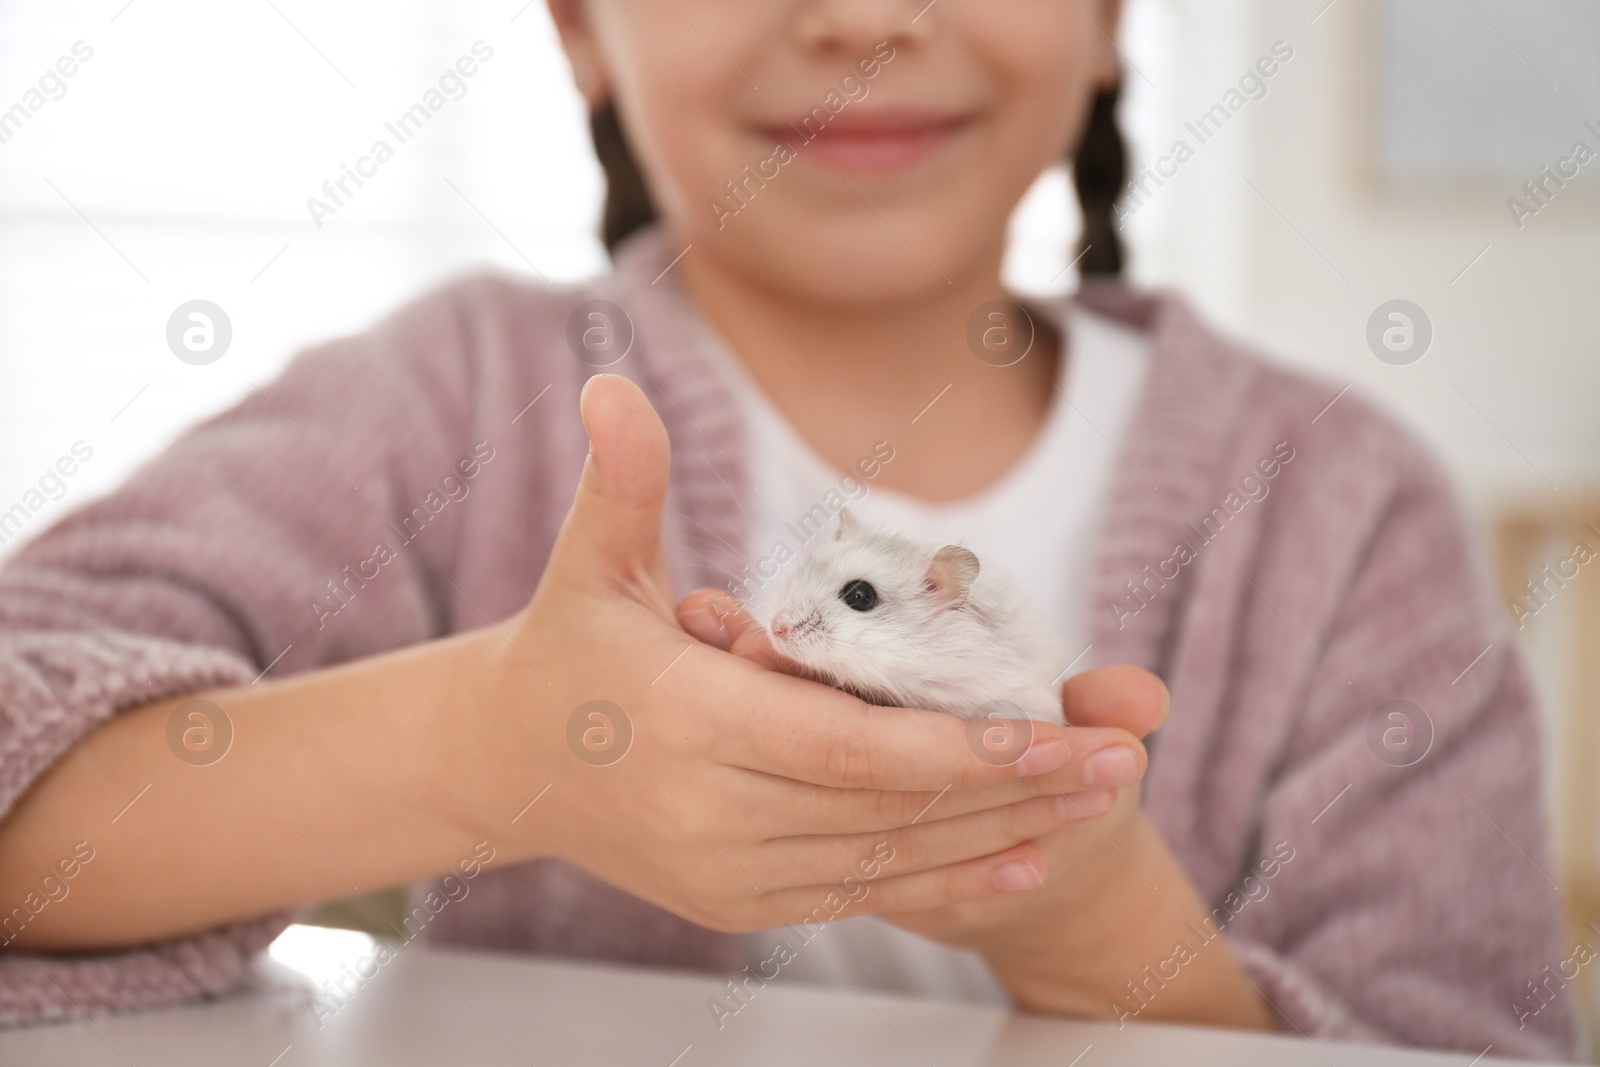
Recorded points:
(921, 626)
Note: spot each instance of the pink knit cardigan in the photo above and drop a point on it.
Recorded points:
(1284, 557)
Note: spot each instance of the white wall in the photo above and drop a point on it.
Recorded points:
(1517, 336)
(178, 163)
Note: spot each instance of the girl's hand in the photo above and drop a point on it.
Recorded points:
(1092, 902)
(1108, 710)
(1072, 861)
(734, 796)
(1111, 901)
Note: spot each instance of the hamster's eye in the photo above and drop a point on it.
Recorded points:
(859, 596)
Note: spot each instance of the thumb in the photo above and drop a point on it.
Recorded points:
(1122, 696)
(612, 535)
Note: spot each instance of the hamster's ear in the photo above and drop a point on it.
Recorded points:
(950, 575)
(849, 526)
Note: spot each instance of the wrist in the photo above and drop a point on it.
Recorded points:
(1145, 947)
(489, 724)
(1088, 930)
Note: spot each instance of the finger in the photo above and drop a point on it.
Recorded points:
(703, 614)
(720, 620)
(938, 843)
(812, 809)
(755, 645)
(612, 534)
(812, 733)
(1123, 696)
(1016, 870)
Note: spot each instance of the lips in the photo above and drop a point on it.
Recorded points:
(869, 142)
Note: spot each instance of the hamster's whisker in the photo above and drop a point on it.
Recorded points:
(706, 558)
(729, 545)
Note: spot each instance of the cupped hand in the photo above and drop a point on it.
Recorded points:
(736, 796)
(1110, 897)
(1091, 901)
(1069, 866)
(1042, 879)
(1098, 705)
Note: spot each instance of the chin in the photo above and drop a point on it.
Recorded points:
(854, 262)
(842, 251)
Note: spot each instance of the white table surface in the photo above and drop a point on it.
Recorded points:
(438, 1007)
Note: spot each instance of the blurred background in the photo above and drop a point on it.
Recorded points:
(1444, 153)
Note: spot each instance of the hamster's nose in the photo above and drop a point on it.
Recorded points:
(780, 626)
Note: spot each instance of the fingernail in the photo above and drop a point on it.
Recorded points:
(1043, 758)
(1075, 807)
(1016, 877)
(1112, 767)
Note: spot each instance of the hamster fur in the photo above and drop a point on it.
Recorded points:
(933, 629)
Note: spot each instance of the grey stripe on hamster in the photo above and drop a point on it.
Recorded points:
(904, 624)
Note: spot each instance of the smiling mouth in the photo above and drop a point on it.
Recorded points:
(869, 143)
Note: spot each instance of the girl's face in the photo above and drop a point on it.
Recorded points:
(844, 151)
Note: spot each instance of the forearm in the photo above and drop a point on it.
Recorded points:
(1138, 947)
(336, 782)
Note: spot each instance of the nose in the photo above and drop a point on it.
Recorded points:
(780, 627)
(856, 26)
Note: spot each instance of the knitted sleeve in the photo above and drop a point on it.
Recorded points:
(227, 556)
(1401, 889)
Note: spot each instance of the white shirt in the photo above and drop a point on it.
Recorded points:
(1040, 522)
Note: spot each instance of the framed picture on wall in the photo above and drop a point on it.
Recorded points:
(1476, 92)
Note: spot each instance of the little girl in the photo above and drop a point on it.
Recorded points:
(386, 623)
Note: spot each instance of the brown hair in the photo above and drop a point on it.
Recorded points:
(1099, 168)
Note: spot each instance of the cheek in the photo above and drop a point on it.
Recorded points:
(1041, 57)
(684, 100)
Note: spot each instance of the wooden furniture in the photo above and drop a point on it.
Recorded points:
(1548, 558)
